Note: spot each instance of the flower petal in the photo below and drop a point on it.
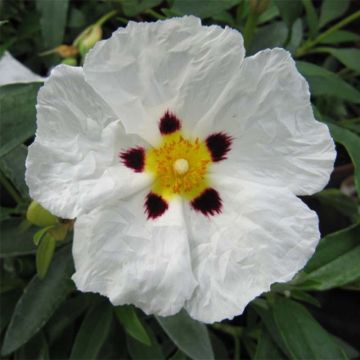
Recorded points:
(122, 255)
(73, 163)
(263, 235)
(176, 65)
(276, 139)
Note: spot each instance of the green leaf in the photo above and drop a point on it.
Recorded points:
(270, 13)
(138, 350)
(269, 36)
(332, 9)
(93, 331)
(189, 335)
(302, 335)
(351, 142)
(44, 255)
(311, 17)
(340, 36)
(325, 83)
(135, 7)
(349, 57)
(127, 316)
(8, 301)
(13, 166)
(17, 114)
(335, 262)
(289, 10)
(37, 348)
(65, 316)
(52, 21)
(39, 301)
(14, 240)
(339, 201)
(297, 34)
(202, 9)
(266, 347)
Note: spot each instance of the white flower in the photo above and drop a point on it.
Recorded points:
(12, 71)
(181, 161)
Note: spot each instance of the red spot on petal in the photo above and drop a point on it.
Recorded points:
(155, 206)
(219, 144)
(208, 203)
(134, 158)
(169, 123)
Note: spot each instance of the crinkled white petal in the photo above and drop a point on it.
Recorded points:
(73, 164)
(277, 141)
(263, 235)
(122, 255)
(12, 71)
(177, 64)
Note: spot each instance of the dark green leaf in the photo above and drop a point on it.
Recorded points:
(269, 36)
(65, 316)
(302, 335)
(93, 331)
(135, 7)
(349, 57)
(13, 166)
(340, 36)
(311, 17)
(335, 262)
(139, 351)
(332, 9)
(339, 201)
(128, 317)
(324, 82)
(351, 142)
(14, 240)
(40, 299)
(8, 301)
(202, 9)
(17, 114)
(37, 348)
(270, 13)
(297, 34)
(289, 10)
(267, 348)
(53, 21)
(44, 255)
(189, 335)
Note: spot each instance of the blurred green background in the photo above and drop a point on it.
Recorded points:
(315, 316)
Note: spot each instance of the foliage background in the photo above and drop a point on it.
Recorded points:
(315, 316)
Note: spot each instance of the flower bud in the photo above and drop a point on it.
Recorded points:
(70, 61)
(88, 38)
(39, 216)
(64, 51)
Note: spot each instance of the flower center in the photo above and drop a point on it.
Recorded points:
(179, 165)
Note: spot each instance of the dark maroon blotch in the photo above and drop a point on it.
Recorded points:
(134, 158)
(219, 144)
(155, 206)
(208, 203)
(169, 123)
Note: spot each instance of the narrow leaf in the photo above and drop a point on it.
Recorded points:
(349, 57)
(93, 331)
(351, 142)
(52, 21)
(17, 114)
(39, 301)
(266, 347)
(44, 255)
(302, 335)
(332, 9)
(189, 335)
(14, 240)
(289, 10)
(127, 316)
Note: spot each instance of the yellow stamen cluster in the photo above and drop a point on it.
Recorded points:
(179, 166)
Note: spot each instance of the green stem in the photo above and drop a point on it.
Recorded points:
(9, 188)
(311, 43)
(105, 18)
(236, 348)
(250, 28)
(155, 14)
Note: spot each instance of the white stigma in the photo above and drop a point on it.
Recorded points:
(181, 166)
